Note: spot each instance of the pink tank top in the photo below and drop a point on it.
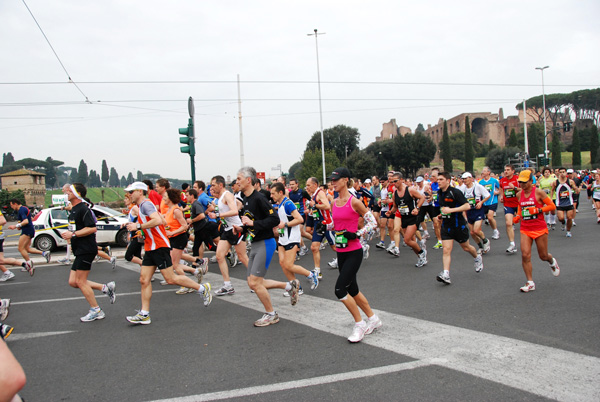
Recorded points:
(345, 218)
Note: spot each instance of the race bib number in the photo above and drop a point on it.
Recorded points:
(340, 240)
(445, 216)
(435, 197)
(596, 194)
(224, 223)
(510, 193)
(71, 226)
(527, 215)
(404, 210)
(489, 187)
(472, 202)
(564, 194)
(297, 204)
(281, 231)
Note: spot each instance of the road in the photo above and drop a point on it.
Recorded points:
(477, 339)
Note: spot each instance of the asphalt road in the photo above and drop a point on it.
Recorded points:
(477, 339)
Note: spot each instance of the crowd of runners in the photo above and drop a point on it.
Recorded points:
(242, 223)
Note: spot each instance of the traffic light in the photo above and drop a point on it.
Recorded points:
(188, 132)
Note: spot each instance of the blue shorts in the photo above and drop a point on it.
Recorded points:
(510, 210)
(474, 215)
(260, 257)
(491, 207)
(318, 236)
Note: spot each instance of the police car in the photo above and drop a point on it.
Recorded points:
(47, 235)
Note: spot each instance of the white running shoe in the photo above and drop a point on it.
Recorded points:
(511, 249)
(445, 278)
(358, 333)
(487, 246)
(391, 246)
(47, 255)
(529, 286)
(4, 304)
(6, 276)
(113, 262)
(496, 234)
(422, 261)
(64, 261)
(303, 251)
(555, 268)
(333, 263)
(300, 292)
(366, 248)
(373, 323)
(322, 246)
(478, 264)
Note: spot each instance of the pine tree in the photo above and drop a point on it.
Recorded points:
(513, 141)
(576, 149)
(556, 148)
(446, 150)
(104, 173)
(113, 180)
(469, 152)
(594, 145)
(82, 173)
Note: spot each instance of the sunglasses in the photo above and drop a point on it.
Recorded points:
(393, 181)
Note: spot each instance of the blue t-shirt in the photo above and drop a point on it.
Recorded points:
(296, 198)
(434, 189)
(23, 214)
(491, 185)
(205, 200)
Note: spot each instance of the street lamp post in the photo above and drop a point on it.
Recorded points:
(544, 106)
(320, 109)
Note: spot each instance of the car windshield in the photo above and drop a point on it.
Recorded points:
(108, 211)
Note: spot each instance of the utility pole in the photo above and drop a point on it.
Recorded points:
(320, 108)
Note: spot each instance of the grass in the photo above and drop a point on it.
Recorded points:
(94, 194)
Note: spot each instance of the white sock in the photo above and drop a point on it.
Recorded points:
(446, 272)
(96, 309)
(271, 312)
(360, 323)
(68, 251)
(373, 317)
(196, 271)
(288, 287)
(512, 243)
(104, 288)
(227, 284)
(201, 289)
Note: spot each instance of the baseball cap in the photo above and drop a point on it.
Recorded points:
(368, 181)
(524, 176)
(339, 173)
(419, 179)
(570, 171)
(466, 174)
(137, 185)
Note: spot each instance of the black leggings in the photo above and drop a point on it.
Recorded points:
(203, 236)
(134, 249)
(348, 265)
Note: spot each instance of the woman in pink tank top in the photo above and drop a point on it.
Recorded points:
(346, 211)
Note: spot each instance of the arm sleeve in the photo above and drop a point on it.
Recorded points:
(271, 220)
(550, 206)
(370, 224)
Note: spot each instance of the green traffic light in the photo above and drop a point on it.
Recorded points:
(185, 150)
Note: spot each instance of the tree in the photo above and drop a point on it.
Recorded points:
(491, 145)
(130, 178)
(123, 181)
(594, 146)
(104, 173)
(412, 152)
(469, 153)
(498, 157)
(383, 154)
(361, 164)
(113, 179)
(294, 170)
(8, 159)
(312, 165)
(535, 137)
(576, 149)
(513, 141)
(73, 176)
(82, 173)
(343, 140)
(556, 149)
(139, 176)
(419, 129)
(446, 152)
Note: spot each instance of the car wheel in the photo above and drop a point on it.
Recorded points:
(121, 238)
(45, 243)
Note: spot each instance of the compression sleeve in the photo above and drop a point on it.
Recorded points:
(370, 224)
(550, 206)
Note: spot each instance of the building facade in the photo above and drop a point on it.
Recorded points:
(32, 183)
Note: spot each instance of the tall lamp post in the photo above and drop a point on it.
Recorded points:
(320, 109)
(544, 105)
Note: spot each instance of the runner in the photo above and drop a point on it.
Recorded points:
(573, 176)
(27, 233)
(595, 190)
(298, 195)
(546, 183)
(426, 209)
(6, 273)
(376, 204)
(259, 221)
(82, 234)
(476, 196)
(385, 223)
(564, 189)
(532, 203)
(319, 209)
(227, 212)
(289, 226)
(437, 225)
(454, 225)
(491, 205)
(204, 231)
(508, 196)
(156, 245)
(407, 201)
(346, 212)
(134, 248)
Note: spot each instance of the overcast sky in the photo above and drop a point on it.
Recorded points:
(378, 60)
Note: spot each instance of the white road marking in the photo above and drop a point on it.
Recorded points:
(83, 298)
(542, 370)
(30, 335)
(307, 382)
(12, 283)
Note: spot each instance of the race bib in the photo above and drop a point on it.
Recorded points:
(224, 223)
(472, 202)
(445, 216)
(71, 226)
(564, 194)
(435, 197)
(404, 210)
(340, 240)
(281, 231)
(489, 187)
(510, 193)
(527, 215)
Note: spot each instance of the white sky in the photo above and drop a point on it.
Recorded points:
(459, 42)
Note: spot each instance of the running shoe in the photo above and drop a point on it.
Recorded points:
(110, 291)
(569, 234)
(5, 330)
(47, 255)
(366, 248)
(108, 251)
(93, 315)
(438, 245)
(207, 295)
(496, 234)
(163, 282)
(511, 249)
(555, 268)
(574, 224)
(225, 291)
(563, 227)
(426, 236)
(303, 251)
(373, 323)
(213, 259)
(395, 252)
(183, 291)
(323, 246)
(6, 276)
(113, 262)
(486, 246)
(529, 286)
(64, 261)
(391, 246)
(358, 333)
(201, 270)
(553, 226)
(4, 303)
(333, 263)
(232, 258)
(381, 244)
(314, 280)
(478, 264)
(287, 294)
(139, 318)
(266, 320)
(320, 274)
(294, 291)
(442, 277)
(29, 267)
(422, 261)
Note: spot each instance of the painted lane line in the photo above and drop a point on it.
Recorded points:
(12, 283)
(83, 298)
(31, 335)
(542, 370)
(307, 382)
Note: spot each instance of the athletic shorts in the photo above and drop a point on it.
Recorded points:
(408, 220)
(534, 234)
(289, 246)
(260, 257)
(376, 208)
(474, 215)
(425, 210)
(159, 258)
(310, 221)
(1, 245)
(231, 237)
(567, 208)
(510, 210)
(318, 236)
(384, 216)
(179, 242)
(30, 233)
(458, 233)
(83, 262)
(491, 207)
(134, 249)
(575, 198)
(436, 211)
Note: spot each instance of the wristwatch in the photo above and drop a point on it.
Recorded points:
(73, 234)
